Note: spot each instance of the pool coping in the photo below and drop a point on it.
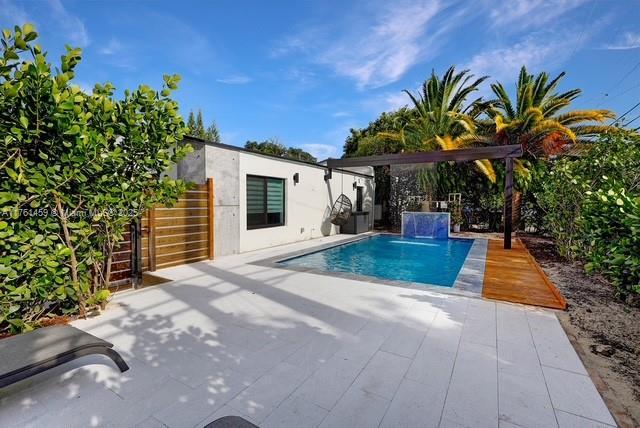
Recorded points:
(468, 283)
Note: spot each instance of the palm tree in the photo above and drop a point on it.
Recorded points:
(441, 106)
(537, 121)
(443, 115)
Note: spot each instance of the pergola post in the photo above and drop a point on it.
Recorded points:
(508, 202)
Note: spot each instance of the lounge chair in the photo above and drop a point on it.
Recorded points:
(231, 422)
(28, 354)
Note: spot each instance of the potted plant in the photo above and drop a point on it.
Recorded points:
(455, 212)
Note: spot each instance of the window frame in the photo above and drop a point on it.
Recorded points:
(265, 213)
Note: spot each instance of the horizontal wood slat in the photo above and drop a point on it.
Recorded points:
(198, 195)
(182, 257)
(180, 222)
(116, 276)
(182, 233)
(188, 203)
(182, 246)
(185, 237)
(181, 229)
(122, 265)
(180, 212)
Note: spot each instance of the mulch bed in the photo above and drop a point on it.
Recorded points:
(603, 325)
(46, 322)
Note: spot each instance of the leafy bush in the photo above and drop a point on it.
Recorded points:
(75, 170)
(611, 224)
(591, 207)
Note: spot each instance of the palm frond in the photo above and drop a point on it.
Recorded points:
(593, 130)
(547, 127)
(553, 105)
(486, 168)
(531, 116)
(539, 92)
(502, 99)
(521, 169)
(570, 95)
(578, 116)
(392, 136)
(554, 83)
(446, 142)
(470, 140)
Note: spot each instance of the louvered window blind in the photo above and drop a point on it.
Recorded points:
(265, 202)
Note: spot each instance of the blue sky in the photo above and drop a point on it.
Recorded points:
(307, 71)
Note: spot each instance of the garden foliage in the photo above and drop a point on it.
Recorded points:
(75, 170)
(592, 208)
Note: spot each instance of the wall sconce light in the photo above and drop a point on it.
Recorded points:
(296, 178)
(355, 185)
(328, 175)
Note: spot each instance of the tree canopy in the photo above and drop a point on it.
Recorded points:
(197, 129)
(274, 147)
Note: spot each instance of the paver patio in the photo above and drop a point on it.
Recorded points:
(294, 349)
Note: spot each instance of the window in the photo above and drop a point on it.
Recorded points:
(265, 202)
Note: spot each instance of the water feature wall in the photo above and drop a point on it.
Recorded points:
(425, 225)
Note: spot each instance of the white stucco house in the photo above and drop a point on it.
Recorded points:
(262, 200)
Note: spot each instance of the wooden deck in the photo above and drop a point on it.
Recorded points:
(514, 276)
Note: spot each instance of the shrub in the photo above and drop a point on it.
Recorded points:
(610, 221)
(591, 208)
(75, 170)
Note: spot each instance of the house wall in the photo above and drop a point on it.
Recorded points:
(307, 204)
(223, 166)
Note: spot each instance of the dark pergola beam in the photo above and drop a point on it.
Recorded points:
(459, 155)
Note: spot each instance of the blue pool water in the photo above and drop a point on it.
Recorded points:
(428, 261)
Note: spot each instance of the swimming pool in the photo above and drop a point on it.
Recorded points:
(391, 257)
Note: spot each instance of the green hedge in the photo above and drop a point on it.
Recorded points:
(610, 222)
(592, 208)
(75, 169)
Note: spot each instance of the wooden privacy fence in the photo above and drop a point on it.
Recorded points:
(167, 237)
(180, 234)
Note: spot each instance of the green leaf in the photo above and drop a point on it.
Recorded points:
(24, 122)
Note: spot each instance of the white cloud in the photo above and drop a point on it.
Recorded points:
(112, 48)
(340, 114)
(71, 25)
(385, 51)
(11, 14)
(385, 101)
(626, 41)
(396, 100)
(538, 52)
(234, 80)
(523, 14)
(378, 47)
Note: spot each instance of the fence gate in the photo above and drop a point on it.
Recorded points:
(180, 234)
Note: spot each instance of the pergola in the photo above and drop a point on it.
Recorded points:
(460, 155)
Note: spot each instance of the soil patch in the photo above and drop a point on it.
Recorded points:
(604, 329)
